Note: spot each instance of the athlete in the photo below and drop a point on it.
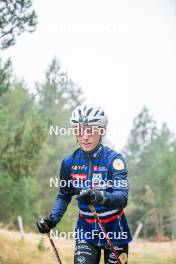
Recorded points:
(98, 176)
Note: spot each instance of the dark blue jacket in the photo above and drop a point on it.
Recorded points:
(106, 170)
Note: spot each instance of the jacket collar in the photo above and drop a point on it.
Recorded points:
(94, 153)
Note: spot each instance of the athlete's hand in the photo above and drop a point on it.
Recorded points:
(91, 196)
(44, 225)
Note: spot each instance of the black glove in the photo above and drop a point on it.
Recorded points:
(92, 196)
(44, 225)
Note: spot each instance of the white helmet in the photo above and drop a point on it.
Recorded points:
(88, 115)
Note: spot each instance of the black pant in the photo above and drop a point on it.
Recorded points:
(87, 253)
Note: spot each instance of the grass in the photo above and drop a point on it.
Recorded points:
(22, 252)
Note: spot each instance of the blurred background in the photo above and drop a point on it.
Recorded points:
(55, 55)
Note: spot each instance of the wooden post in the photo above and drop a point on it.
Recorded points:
(20, 223)
(138, 230)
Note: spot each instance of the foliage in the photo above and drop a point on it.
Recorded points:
(29, 155)
(150, 152)
(16, 18)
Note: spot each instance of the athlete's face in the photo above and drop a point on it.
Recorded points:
(88, 137)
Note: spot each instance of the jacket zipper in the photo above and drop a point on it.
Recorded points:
(90, 166)
(89, 172)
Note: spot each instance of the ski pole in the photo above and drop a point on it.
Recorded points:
(52, 244)
(54, 249)
(92, 209)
